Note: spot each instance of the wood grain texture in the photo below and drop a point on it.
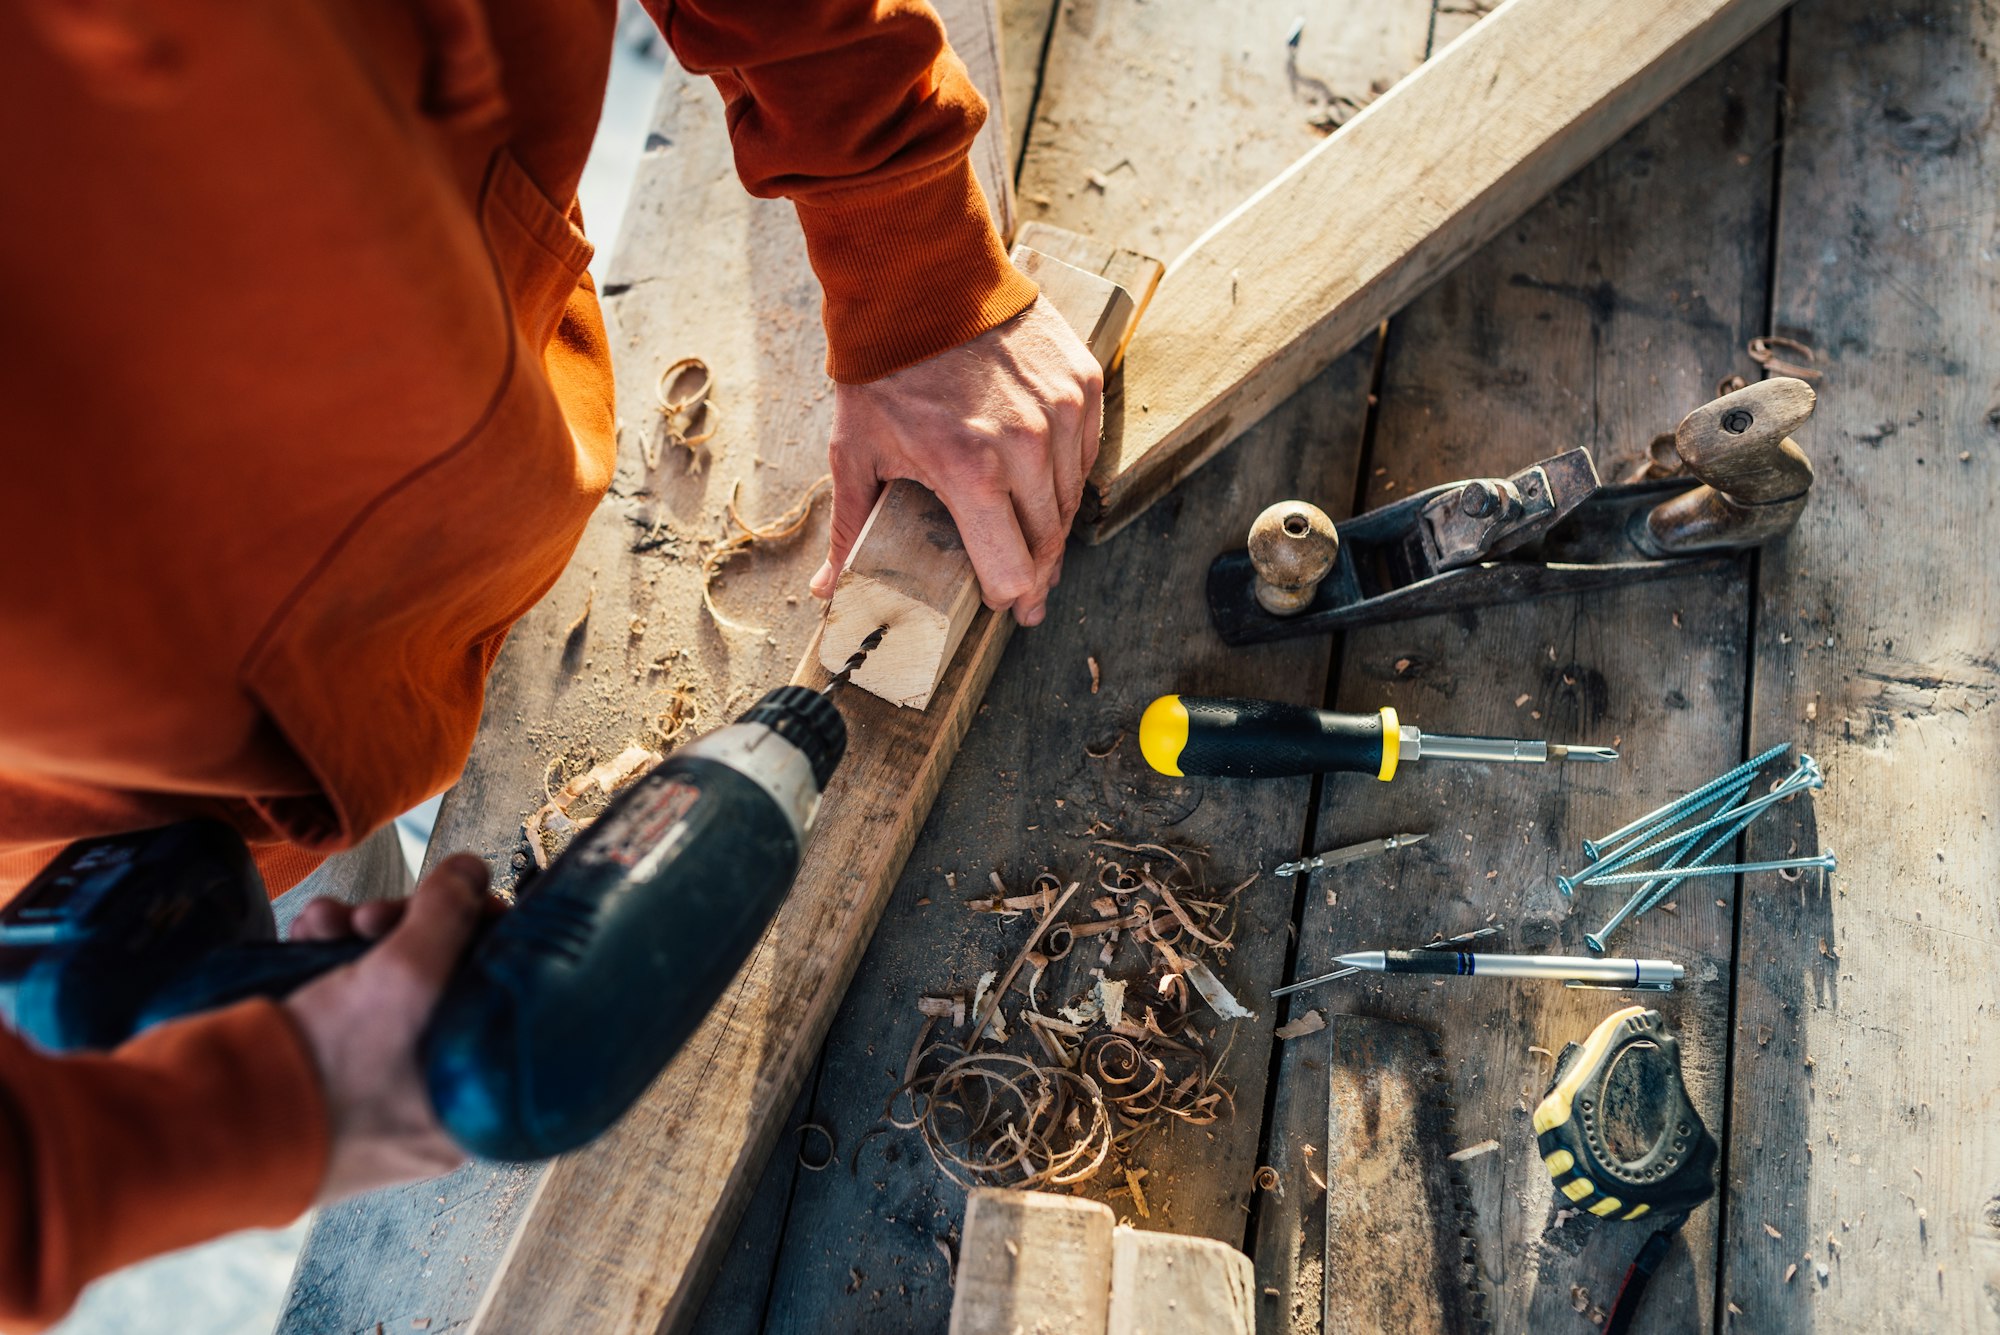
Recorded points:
(1032, 1261)
(973, 29)
(1601, 318)
(1437, 165)
(1171, 1284)
(1866, 1069)
(860, 1252)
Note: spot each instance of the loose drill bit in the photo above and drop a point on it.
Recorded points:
(1351, 853)
(856, 659)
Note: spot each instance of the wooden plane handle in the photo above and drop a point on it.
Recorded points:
(1755, 477)
(1293, 546)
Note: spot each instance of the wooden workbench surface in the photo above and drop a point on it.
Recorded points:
(1829, 182)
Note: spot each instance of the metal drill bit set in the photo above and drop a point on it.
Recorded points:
(1681, 840)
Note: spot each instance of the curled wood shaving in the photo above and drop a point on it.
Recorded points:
(552, 819)
(1764, 351)
(1076, 1089)
(1267, 1179)
(1215, 994)
(1306, 1153)
(807, 1130)
(979, 1025)
(787, 525)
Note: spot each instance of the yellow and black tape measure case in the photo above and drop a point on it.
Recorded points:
(1616, 1129)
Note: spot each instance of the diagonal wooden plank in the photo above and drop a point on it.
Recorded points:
(1863, 1123)
(1438, 165)
(1598, 319)
(1442, 161)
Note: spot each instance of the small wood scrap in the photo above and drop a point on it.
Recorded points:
(787, 525)
(662, 730)
(950, 1008)
(1132, 1176)
(1096, 676)
(1309, 1023)
(691, 418)
(1082, 1076)
(551, 824)
(1473, 1151)
(1306, 1153)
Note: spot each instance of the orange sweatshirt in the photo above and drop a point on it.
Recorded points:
(308, 400)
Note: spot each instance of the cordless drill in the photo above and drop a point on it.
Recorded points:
(560, 1014)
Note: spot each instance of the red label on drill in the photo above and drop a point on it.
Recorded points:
(646, 822)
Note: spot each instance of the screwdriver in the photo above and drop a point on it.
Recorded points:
(1261, 739)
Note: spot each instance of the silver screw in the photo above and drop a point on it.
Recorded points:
(1675, 842)
(1647, 898)
(1806, 776)
(1652, 820)
(1824, 862)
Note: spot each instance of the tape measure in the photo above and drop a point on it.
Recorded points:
(1621, 1140)
(1616, 1130)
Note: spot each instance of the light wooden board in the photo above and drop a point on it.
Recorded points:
(1438, 165)
(1023, 794)
(1599, 319)
(700, 1137)
(1866, 1091)
(701, 270)
(909, 576)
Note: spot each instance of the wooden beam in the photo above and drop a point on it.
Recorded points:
(1032, 1260)
(700, 1136)
(908, 571)
(1397, 196)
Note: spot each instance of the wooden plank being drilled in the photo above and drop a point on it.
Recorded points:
(909, 573)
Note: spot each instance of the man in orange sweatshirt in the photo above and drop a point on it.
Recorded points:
(308, 400)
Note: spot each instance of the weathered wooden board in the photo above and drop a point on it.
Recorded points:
(1599, 319)
(1866, 1073)
(860, 1250)
(701, 270)
(1440, 164)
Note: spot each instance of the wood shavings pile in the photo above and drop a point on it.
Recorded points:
(1051, 1094)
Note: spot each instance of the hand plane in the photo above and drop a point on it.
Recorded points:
(1554, 527)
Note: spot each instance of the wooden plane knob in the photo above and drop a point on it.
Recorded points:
(1755, 475)
(1292, 547)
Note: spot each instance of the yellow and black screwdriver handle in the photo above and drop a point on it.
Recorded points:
(1586, 1125)
(1206, 736)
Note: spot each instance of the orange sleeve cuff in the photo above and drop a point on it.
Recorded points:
(190, 1131)
(910, 270)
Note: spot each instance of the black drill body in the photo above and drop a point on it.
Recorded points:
(561, 1013)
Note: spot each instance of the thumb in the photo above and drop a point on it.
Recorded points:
(855, 489)
(440, 921)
